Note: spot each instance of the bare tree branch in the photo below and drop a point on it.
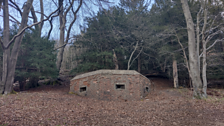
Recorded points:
(136, 46)
(54, 2)
(40, 13)
(136, 56)
(16, 7)
(213, 21)
(49, 32)
(220, 40)
(70, 6)
(73, 21)
(18, 34)
(185, 56)
(16, 21)
(213, 34)
(50, 21)
(34, 17)
(214, 28)
(62, 46)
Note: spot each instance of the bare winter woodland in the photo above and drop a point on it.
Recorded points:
(178, 44)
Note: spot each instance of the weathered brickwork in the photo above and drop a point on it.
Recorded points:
(111, 85)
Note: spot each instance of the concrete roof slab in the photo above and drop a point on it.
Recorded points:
(125, 72)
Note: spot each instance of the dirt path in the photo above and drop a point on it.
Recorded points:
(164, 106)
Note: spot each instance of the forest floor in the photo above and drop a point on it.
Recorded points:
(164, 106)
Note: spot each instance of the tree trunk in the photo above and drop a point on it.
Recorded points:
(204, 65)
(193, 56)
(62, 17)
(39, 26)
(6, 52)
(62, 35)
(164, 66)
(175, 74)
(115, 60)
(6, 55)
(9, 61)
(41, 17)
(60, 53)
(198, 36)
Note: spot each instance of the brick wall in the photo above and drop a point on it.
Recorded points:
(107, 86)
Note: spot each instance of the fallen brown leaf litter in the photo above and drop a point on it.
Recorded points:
(164, 106)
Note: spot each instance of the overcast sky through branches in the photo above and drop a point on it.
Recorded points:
(87, 10)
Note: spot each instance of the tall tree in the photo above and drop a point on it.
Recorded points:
(63, 20)
(193, 55)
(10, 54)
(9, 61)
(207, 33)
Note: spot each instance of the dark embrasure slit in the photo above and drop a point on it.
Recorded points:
(82, 89)
(120, 86)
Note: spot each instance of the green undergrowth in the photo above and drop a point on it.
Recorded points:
(13, 92)
(214, 99)
(4, 124)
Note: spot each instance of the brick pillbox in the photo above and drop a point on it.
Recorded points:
(111, 85)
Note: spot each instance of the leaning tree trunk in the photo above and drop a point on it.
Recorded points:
(193, 56)
(129, 61)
